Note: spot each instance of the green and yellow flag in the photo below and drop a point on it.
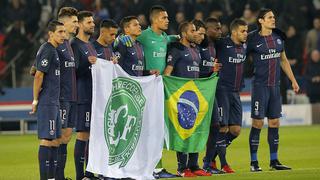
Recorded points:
(188, 110)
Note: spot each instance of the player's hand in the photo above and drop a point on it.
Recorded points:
(33, 70)
(295, 87)
(124, 39)
(114, 59)
(92, 59)
(155, 72)
(34, 107)
(217, 66)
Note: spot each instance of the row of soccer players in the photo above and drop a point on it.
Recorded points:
(191, 56)
(63, 83)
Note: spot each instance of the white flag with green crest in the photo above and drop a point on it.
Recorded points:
(127, 123)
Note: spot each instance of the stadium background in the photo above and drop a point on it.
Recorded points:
(22, 30)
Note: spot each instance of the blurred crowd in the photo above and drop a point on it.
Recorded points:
(21, 20)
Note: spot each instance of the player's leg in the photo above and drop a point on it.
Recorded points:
(208, 164)
(274, 113)
(223, 101)
(233, 133)
(66, 132)
(49, 130)
(235, 120)
(194, 166)
(258, 103)
(44, 155)
(183, 171)
(82, 127)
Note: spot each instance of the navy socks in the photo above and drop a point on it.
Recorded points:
(254, 139)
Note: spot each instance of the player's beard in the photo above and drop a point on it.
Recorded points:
(191, 39)
(88, 32)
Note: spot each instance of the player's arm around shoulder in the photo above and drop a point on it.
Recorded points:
(142, 38)
(172, 38)
(172, 58)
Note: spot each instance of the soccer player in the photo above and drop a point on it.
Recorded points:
(208, 56)
(154, 41)
(132, 59)
(46, 91)
(85, 55)
(103, 45)
(183, 61)
(68, 94)
(266, 46)
(231, 52)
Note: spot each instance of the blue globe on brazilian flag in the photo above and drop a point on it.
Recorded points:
(188, 110)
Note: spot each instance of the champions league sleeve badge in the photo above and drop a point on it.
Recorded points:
(44, 63)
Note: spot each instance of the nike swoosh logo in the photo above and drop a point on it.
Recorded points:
(86, 52)
(204, 49)
(153, 42)
(133, 53)
(63, 50)
(100, 54)
(186, 55)
(259, 45)
(229, 46)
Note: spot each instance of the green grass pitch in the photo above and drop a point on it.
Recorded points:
(299, 148)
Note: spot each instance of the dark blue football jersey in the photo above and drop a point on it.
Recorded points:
(103, 52)
(208, 54)
(68, 86)
(232, 57)
(131, 59)
(266, 53)
(185, 61)
(47, 61)
(82, 51)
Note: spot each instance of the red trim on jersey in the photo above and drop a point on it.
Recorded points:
(272, 62)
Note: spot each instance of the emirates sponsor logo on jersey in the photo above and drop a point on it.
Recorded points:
(238, 59)
(208, 63)
(69, 64)
(273, 54)
(193, 68)
(159, 54)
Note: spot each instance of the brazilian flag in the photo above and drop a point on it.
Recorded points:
(188, 110)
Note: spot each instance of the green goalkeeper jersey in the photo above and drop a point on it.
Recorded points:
(155, 48)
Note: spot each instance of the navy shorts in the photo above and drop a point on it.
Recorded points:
(229, 108)
(49, 125)
(83, 118)
(215, 114)
(266, 102)
(68, 114)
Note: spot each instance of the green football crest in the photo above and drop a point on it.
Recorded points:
(123, 119)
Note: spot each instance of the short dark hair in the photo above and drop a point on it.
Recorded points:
(108, 23)
(125, 21)
(183, 27)
(67, 12)
(52, 25)
(261, 15)
(236, 23)
(155, 10)
(198, 23)
(211, 20)
(84, 14)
